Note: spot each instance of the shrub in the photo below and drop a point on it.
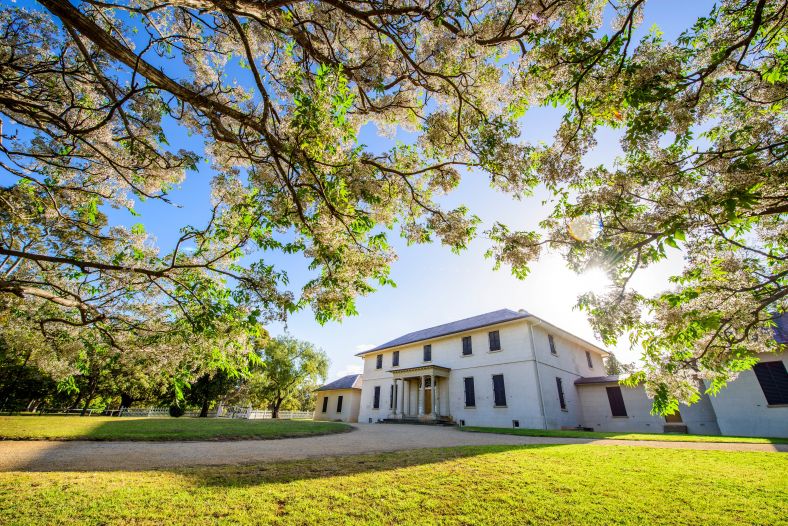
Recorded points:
(176, 411)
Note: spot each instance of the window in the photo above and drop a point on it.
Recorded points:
(774, 381)
(588, 359)
(560, 385)
(395, 359)
(379, 361)
(325, 404)
(499, 392)
(339, 404)
(428, 353)
(376, 401)
(495, 341)
(391, 397)
(470, 394)
(515, 423)
(616, 400)
(467, 347)
(552, 345)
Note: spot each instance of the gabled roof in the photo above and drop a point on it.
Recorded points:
(351, 381)
(474, 322)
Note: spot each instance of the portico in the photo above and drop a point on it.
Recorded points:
(421, 392)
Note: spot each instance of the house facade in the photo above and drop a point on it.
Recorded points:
(339, 400)
(512, 369)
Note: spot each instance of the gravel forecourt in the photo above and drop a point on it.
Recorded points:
(366, 438)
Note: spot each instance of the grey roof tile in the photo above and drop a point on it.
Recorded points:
(474, 322)
(350, 381)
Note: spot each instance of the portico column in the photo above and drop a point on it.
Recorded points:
(432, 392)
(421, 395)
(402, 397)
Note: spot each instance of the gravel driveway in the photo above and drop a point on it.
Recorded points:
(366, 438)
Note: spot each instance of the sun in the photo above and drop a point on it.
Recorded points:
(595, 280)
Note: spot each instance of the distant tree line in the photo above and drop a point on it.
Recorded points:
(280, 374)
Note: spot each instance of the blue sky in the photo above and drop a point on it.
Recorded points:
(433, 285)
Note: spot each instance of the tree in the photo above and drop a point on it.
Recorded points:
(289, 367)
(210, 387)
(277, 92)
(617, 368)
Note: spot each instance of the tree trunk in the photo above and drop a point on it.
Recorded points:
(126, 400)
(277, 405)
(204, 411)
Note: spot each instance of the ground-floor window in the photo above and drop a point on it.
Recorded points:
(616, 400)
(376, 401)
(325, 404)
(470, 394)
(560, 385)
(774, 381)
(339, 404)
(499, 391)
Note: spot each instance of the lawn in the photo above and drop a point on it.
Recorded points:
(665, 437)
(113, 428)
(545, 485)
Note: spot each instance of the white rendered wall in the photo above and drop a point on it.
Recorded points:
(350, 405)
(742, 409)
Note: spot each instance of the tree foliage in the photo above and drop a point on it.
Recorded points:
(92, 94)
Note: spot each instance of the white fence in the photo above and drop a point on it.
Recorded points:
(221, 412)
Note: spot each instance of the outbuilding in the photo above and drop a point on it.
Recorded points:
(339, 400)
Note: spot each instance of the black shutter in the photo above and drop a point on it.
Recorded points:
(467, 347)
(391, 397)
(470, 394)
(774, 381)
(588, 359)
(395, 359)
(560, 384)
(499, 392)
(376, 401)
(616, 400)
(339, 404)
(551, 341)
(428, 353)
(495, 341)
(325, 404)
(379, 362)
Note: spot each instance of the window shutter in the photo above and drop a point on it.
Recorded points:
(470, 394)
(376, 401)
(774, 381)
(395, 359)
(379, 362)
(467, 346)
(616, 400)
(560, 385)
(499, 391)
(325, 404)
(495, 340)
(551, 341)
(391, 397)
(339, 404)
(428, 353)
(588, 359)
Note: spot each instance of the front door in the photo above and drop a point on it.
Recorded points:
(675, 418)
(427, 400)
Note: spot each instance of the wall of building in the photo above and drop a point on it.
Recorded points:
(742, 409)
(699, 417)
(515, 360)
(350, 405)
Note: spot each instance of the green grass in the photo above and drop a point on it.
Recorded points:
(665, 437)
(545, 485)
(109, 428)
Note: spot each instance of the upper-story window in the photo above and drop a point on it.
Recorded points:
(379, 361)
(428, 353)
(495, 340)
(467, 347)
(550, 340)
(588, 359)
(395, 359)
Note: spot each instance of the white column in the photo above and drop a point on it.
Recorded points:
(402, 397)
(438, 397)
(432, 392)
(421, 395)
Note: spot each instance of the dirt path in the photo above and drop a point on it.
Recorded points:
(367, 438)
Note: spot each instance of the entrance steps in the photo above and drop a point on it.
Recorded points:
(426, 420)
